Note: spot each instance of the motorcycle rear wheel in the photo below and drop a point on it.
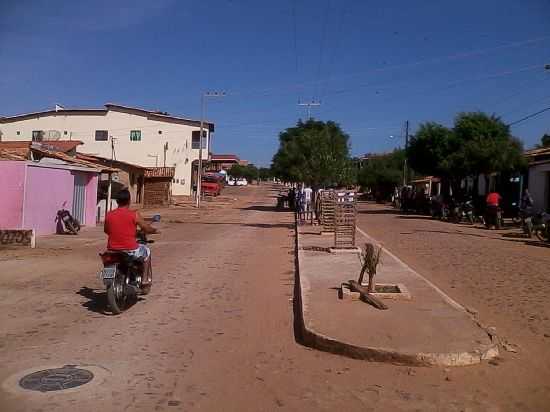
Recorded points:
(116, 295)
(72, 228)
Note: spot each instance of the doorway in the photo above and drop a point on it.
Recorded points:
(79, 197)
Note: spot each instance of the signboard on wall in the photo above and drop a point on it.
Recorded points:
(14, 237)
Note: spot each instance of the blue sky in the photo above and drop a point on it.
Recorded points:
(372, 64)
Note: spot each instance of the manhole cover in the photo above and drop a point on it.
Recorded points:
(67, 377)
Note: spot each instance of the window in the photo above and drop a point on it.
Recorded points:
(195, 139)
(135, 136)
(37, 135)
(18, 133)
(101, 135)
(65, 132)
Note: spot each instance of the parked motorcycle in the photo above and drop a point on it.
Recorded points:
(541, 226)
(125, 276)
(66, 222)
(465, 211)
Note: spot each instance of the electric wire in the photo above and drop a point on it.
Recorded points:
(529, 116)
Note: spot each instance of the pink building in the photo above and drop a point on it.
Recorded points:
(31, 193)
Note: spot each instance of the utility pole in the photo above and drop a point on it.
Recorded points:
(309, 105)
(405, 166)
(203, 111)
(165, 150)
(110, 184)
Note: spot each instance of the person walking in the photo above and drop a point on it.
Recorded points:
(493, 218)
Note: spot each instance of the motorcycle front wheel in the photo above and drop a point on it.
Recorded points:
(542, 234)
(116, 294)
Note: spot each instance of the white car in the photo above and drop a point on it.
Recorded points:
(241, 182)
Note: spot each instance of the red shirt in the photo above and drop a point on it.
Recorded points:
(493, 199)
(120, 226)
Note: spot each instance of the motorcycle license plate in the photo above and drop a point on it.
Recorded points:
(108, 272)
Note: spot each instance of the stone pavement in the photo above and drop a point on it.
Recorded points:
(427, 329)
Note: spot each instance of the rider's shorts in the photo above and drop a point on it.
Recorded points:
(141, 252)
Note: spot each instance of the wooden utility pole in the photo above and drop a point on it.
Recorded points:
(405, 166)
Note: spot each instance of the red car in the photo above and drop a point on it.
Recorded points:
(211, 185)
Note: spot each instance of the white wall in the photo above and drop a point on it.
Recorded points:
(118, 124)
(539, 185)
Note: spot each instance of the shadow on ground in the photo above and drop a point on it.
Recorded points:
(416, 217)
(97, 300)
(256, 225)
(265, 208)
(380, 212)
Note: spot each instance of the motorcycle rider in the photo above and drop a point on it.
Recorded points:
(493, 209)
(120, 227)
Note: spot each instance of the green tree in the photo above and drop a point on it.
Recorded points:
(430, 149)
(545, 141)
(478, 143)
(248, 172)
(265, 173)
(484, 145)
(382, 173)
(315, 153)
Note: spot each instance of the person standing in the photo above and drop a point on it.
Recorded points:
(307, 197)
(493, 201)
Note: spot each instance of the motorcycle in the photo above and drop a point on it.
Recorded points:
(541, 226)
(126, 276)
(65, 221)
(465, 211)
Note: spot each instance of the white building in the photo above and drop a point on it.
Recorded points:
(147, 138)
(539, 177)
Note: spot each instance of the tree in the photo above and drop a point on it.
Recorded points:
(315, 153)
(485, 145)
(545, 141)
(382, 173)
(248, 172)
(265, 173)
(477, 144)
(430, 149)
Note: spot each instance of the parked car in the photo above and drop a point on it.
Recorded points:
(211, 186)
(241, 182)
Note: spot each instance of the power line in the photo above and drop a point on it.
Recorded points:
(295, 35)
(529, 116)
(336, 45)
(439, 59)
(322, 44)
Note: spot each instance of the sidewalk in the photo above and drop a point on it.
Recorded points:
(427, 329)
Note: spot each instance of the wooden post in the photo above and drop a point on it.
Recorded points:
(366, 296)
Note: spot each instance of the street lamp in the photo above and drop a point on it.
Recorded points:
(204, 96)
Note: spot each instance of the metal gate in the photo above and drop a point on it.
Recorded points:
(79, 197)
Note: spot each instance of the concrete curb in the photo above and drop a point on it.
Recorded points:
(308, 336)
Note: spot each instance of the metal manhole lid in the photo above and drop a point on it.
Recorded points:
(58, 379)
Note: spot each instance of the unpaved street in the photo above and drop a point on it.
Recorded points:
(216, 332)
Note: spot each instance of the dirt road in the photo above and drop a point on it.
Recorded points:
(216, 332)
(500, 274)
